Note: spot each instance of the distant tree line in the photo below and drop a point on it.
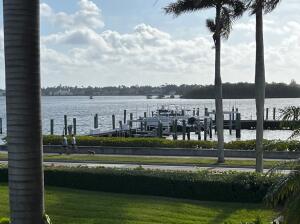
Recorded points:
(245, 91)
(230, 91)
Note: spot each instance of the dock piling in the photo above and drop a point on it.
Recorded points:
(267, 113)
(74, 126)
(160, 130)
(1, 129)
(125, 116)
(199, 131)
(65, 125)
(230, 123)
(183, 129)
(238, 126)
(131, 118)
(198, 112)
(205, 129)
(113, 122)
(210, 128)
(274, 113)
(51, 127)
(96, 124)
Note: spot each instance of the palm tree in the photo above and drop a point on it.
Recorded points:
(226, 12)
(286, 192)
(258, 7)
(23, 101)
(290, 117)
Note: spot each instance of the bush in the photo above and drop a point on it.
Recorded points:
(270, 145)
(204, 185)
(4, 221)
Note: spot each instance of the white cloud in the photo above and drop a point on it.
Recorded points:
(81, 54)
(88, 15)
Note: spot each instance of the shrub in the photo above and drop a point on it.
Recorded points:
(4, 221)
(270, 145)
(204, 185)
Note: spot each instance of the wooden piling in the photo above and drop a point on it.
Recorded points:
(210, 128)
(65, 125)
(215, 121)
(205, 128)
(145, 114)
(199, 131)
(238, 126)
(198, 112)
(113, 122)
(160, 130)
(274, 113)
(1, 128)
(96, 124)
(131, 118)
(51, 127)
(175, 129)
(125, 116)
(74, 126)
(206, 112)
(194, 112)
(267, 114)
(183, 129)
(230, 123)
(232, 110)
(188, 134)
(182, 113)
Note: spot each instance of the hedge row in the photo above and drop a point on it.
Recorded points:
(204, 185)
(270, 145)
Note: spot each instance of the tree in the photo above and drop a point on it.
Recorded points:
(290, 117)
(259, 7)
(226, 12)
(23, 101)
(286, 192)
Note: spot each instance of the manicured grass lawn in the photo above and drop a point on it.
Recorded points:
(83, 207)
(152, 160)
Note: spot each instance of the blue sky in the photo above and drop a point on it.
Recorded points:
(116, 42)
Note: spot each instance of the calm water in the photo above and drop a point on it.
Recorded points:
(84, 109)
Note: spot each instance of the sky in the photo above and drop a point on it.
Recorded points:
(132, 42)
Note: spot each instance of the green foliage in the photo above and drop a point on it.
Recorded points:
(4, 221)
(47, 219)
(269, 145)
(257, 221)
(290, 117)
(204, 185)
(286, 192)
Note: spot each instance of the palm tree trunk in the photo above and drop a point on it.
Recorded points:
(23, 101)
(259, 89)
(218, 89)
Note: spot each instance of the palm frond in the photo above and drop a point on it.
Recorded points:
(185, 6)
(211, 25)
(286, 191)
(267, 5)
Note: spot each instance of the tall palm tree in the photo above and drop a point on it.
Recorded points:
(226, 11)
(259, 7)
(23, 101)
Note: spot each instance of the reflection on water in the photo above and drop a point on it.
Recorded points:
(83, 108)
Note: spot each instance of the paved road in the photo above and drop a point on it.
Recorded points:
(152, 167)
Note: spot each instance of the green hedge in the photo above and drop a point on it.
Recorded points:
(205, 186)
(270, 145)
